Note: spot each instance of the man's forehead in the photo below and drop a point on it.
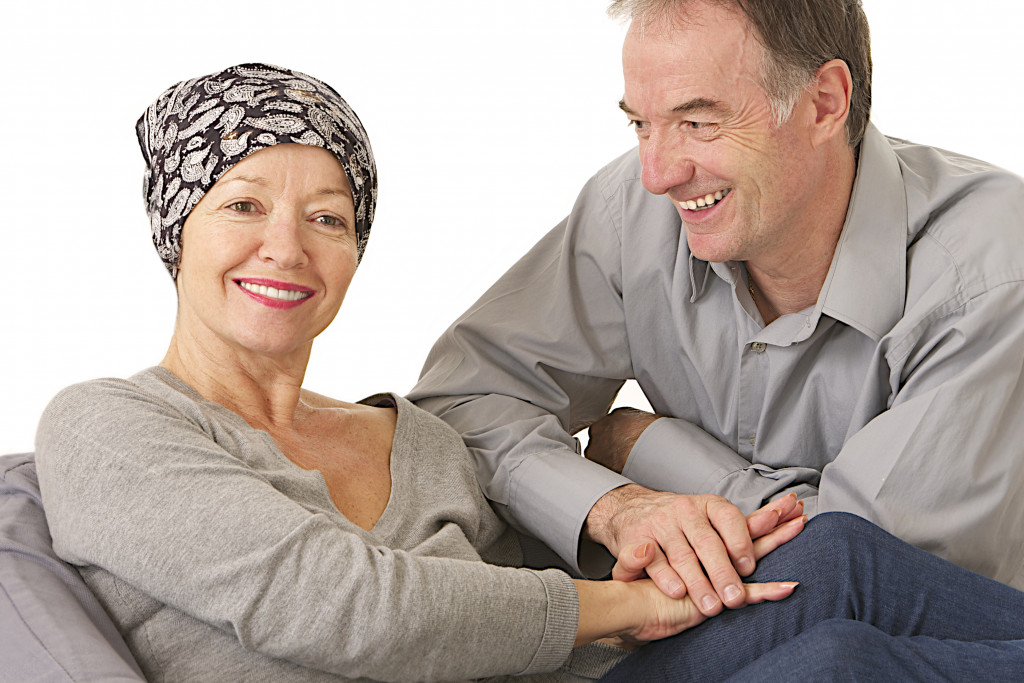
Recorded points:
(719, 53)
(682, 16)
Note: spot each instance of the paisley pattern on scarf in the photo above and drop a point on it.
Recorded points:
(199, 128)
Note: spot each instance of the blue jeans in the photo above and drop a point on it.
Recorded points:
(869, 607)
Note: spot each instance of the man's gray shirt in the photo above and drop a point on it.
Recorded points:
(898, 396)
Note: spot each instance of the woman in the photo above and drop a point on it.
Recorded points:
(239, 527)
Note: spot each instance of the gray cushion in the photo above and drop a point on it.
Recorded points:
(51, 626)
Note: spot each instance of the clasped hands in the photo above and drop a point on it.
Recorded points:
(701, 545)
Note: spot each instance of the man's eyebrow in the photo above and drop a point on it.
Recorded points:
(697, 104)
(700, 104)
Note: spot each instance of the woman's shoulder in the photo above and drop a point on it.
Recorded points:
(388, 405)
(99, 417)
(425, 427)
(116, 395)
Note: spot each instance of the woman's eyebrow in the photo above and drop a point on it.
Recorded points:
(252, 180)
(334, 191)
(260, 180)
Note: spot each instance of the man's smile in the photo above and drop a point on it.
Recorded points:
(703, 202)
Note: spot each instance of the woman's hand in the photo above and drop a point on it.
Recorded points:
(637, 612)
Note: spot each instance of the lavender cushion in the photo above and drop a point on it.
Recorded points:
(51, 626)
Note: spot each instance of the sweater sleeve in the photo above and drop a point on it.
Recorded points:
(134, 486)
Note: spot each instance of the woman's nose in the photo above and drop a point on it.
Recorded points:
(283, 243)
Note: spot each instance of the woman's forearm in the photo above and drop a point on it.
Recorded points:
(605, 610)
(638, 611)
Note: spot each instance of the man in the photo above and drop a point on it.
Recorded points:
(813, 309)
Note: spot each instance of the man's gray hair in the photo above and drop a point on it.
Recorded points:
(797, 37)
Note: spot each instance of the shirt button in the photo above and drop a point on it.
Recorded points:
(753, 439)
(758, 347)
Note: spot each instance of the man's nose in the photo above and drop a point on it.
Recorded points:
(665, 163)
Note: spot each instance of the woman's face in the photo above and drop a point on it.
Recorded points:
(268, 253)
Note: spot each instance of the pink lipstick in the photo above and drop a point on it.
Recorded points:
(273, 293)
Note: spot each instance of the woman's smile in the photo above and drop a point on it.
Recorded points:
(273, 293)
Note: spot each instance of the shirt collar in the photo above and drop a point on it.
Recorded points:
(866, 283)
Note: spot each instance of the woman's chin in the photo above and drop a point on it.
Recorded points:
(270, 346)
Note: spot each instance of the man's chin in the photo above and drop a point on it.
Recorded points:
(713, 248)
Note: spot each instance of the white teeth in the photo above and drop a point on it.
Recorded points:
(273, 292)
(704, 202)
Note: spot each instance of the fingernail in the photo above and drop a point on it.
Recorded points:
(745, 564)
(709, 603)
(790, 584)
(731, 593)
(641, 551)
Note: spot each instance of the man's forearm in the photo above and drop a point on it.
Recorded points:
(675, 455)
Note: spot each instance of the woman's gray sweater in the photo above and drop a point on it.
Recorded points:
(221, 560)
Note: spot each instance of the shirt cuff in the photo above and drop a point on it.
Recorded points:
(552, 495)
(675, 455)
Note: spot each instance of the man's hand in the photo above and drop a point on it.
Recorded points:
(699, 545)
(612, 437)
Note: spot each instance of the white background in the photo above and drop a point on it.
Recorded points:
(486, 119)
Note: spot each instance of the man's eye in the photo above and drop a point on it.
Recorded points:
(703, 127)
(243, 207)
(638, 125)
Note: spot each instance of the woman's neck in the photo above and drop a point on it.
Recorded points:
(264, 390)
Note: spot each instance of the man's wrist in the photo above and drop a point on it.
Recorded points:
(598, 527)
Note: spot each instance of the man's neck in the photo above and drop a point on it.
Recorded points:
(792, 280)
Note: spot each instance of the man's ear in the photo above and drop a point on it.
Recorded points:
(831, 93)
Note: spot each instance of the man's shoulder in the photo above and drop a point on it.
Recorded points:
(969, 211)
(946, 190)
(616, 195)
(621, 174)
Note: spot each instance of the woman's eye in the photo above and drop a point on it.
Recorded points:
(330, 221)
(243, 207)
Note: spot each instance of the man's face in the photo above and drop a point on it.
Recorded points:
(745, 188)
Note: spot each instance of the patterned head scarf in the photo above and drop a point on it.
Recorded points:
(198, 129)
